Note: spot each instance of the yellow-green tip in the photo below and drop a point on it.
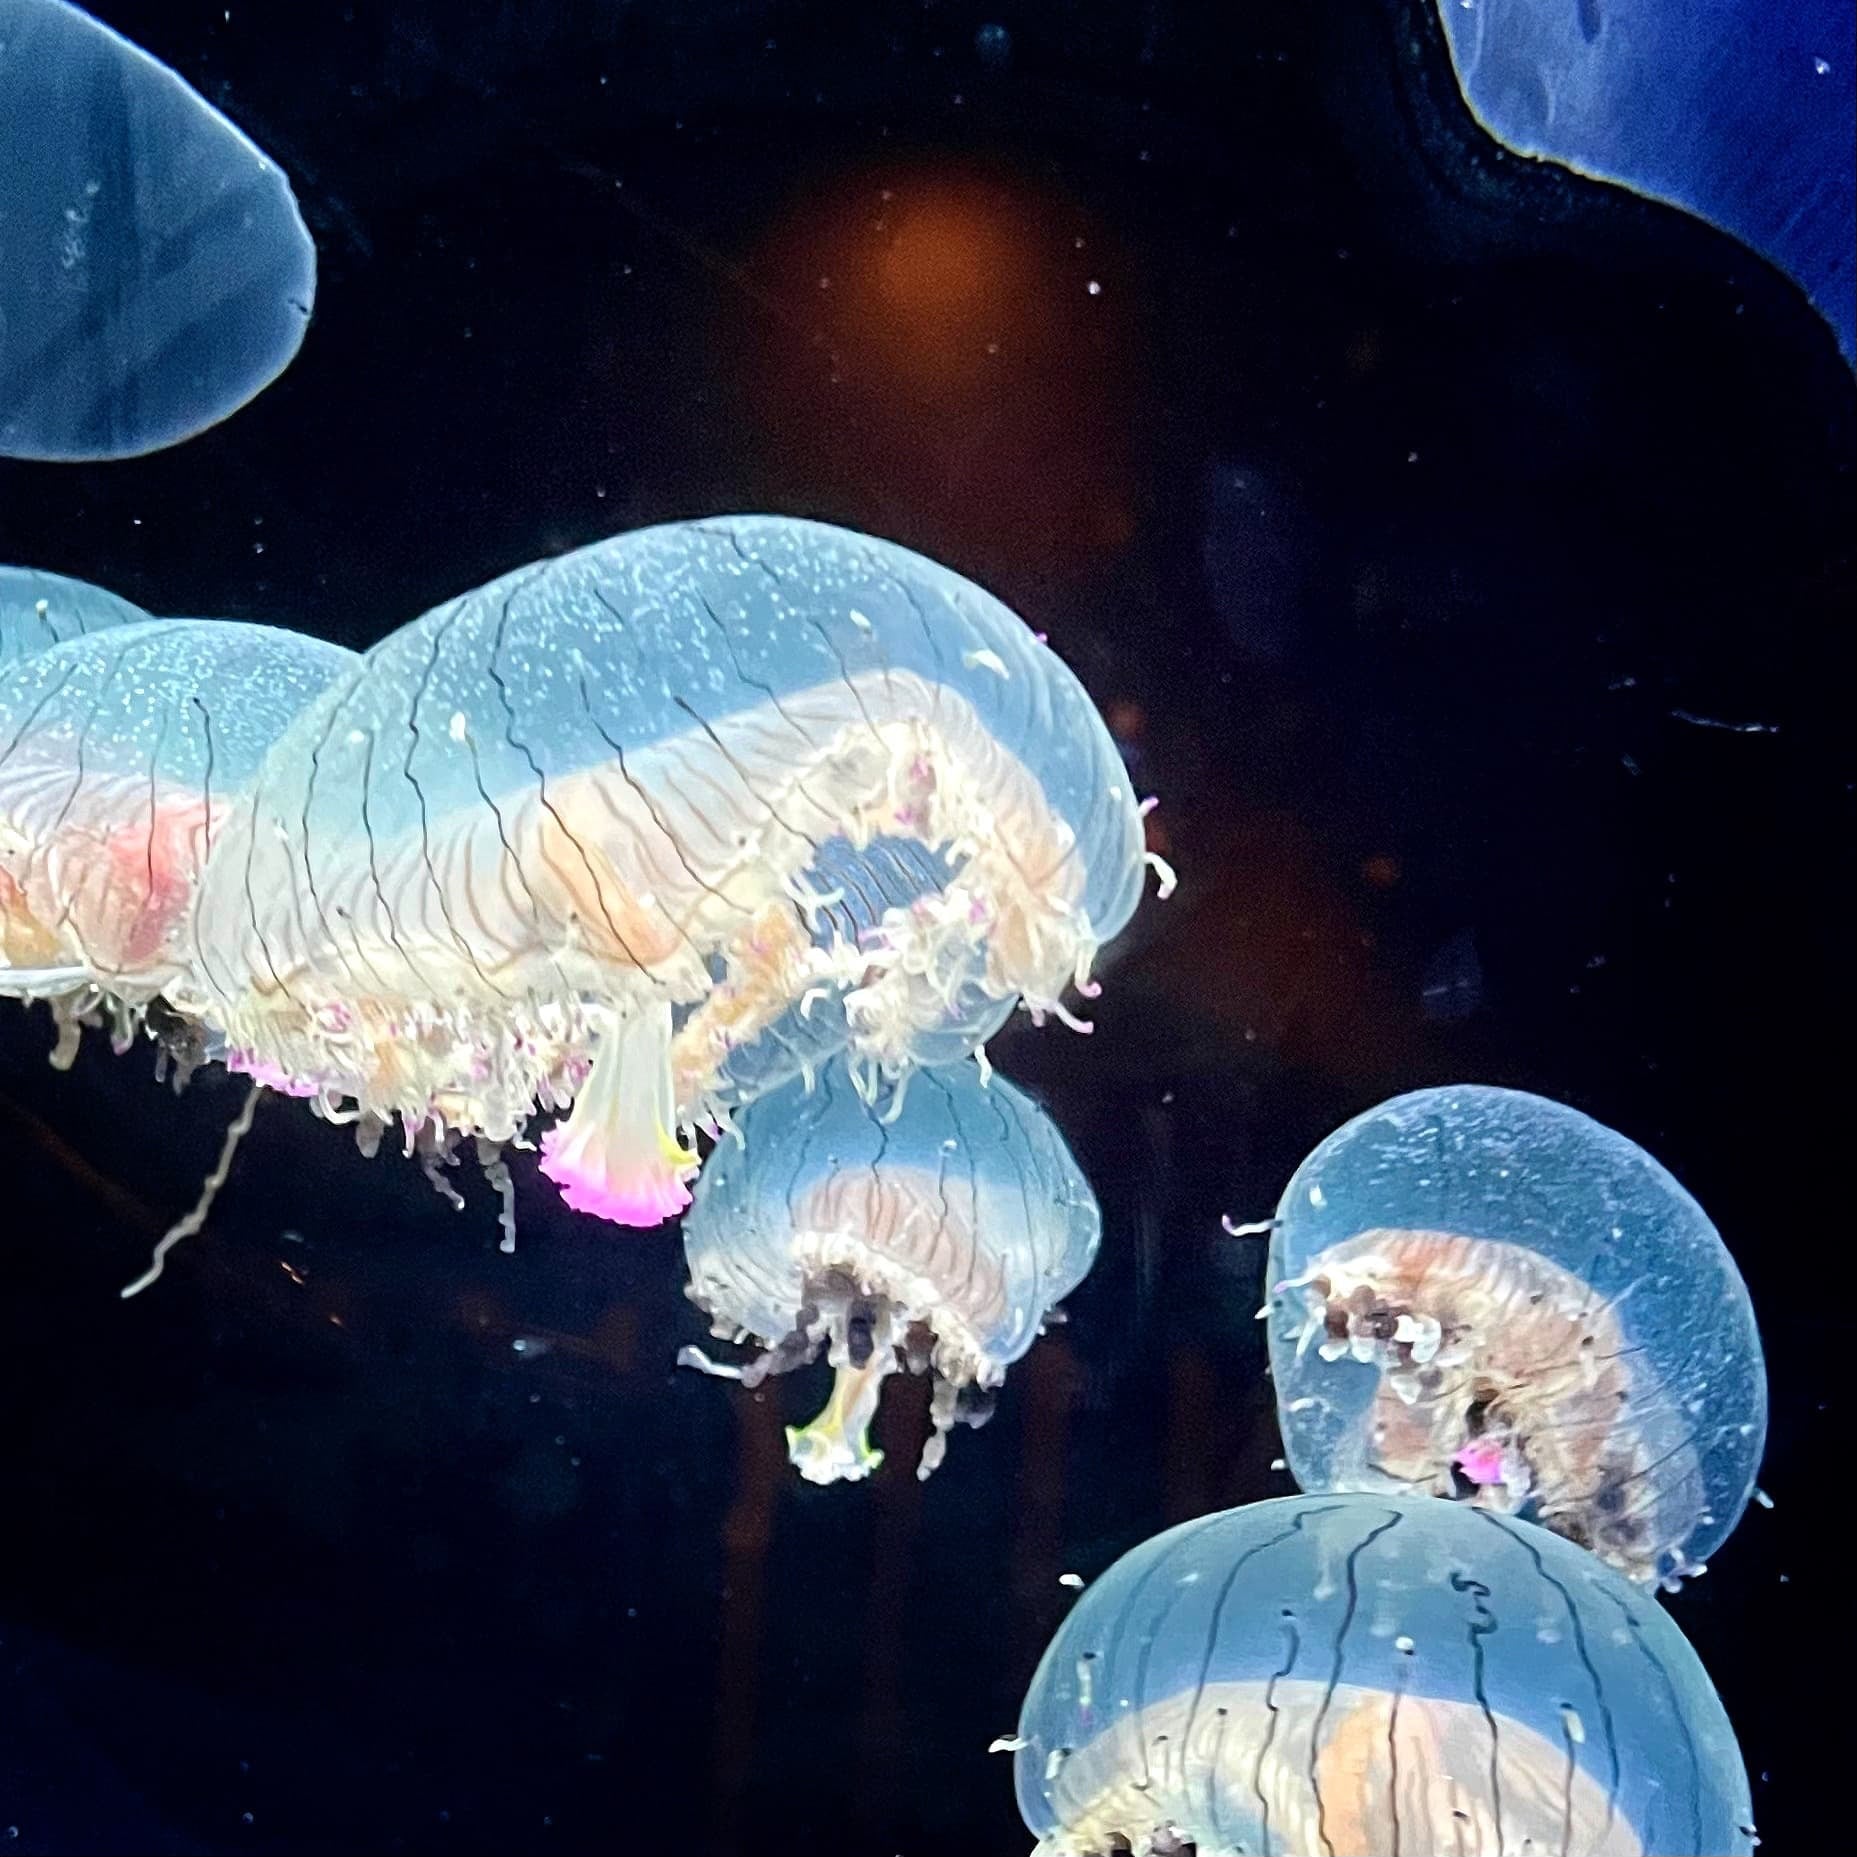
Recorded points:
(836, 1446)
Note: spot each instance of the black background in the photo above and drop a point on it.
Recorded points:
(1414, 513)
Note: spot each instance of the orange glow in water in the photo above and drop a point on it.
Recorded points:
(946, 281)
(956, 346)
(941, 259)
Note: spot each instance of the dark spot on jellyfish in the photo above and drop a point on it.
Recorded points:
(1452, 988)
(993, 45)
(976, 1404)
(918, 1347)
(1591, 20)
(858, 1341)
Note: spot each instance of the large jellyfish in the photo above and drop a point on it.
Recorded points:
(38, 610)
(694, 807)
(1360, 1676)
(937, 1237)
(154, 271)
(1738, 111)
(120, 753)
(1480, 1293)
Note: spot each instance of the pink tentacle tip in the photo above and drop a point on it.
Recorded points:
(268, 1076)
(642, 1197)
(1480, 1462)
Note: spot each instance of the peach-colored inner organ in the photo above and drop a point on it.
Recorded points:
(1501, 1366)
(898, 1257)
(911, 1243)
(910, 1237)
(1353, 1772)
(97, 872)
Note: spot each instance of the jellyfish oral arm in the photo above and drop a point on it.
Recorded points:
(836, 1446)
(618, 1156)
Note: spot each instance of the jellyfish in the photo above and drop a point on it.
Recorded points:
(652, 827)
(1739, 113)
(1364, 1675)
(120, 751)
(157, 274)
(1485, 1295)
(38, 610)
(936, 1236)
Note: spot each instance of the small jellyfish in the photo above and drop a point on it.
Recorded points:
(120, 751)
(937, 1237)
(655, 826)
(1740, 114)
(1357, 1676)
(38, 610)
(156, 271)
(1483, 1294)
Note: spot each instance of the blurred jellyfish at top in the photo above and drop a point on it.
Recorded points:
(1359, 1676)
(38, 610)
(1738, 111)
(936, 1238)
(154, 271)
(121, 750)
(651, 828)
(1482, 1294)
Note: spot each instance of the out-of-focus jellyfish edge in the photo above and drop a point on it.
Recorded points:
(1738, 112)
(158, 273)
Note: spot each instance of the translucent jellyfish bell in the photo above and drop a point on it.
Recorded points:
(120, 753)
(695, 807)
(937, 1240)
(1738, 111)
(1358, 1675)
(156, 271)
(38, 610)
(1483, 1294)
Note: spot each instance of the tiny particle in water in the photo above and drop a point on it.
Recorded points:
(1007, 1744)
(1073, 1580)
